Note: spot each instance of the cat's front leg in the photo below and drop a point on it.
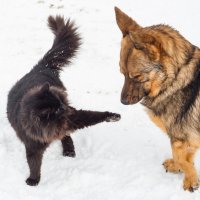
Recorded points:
(85, 118)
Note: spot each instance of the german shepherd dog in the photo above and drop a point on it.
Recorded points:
(162, 70)
(38, 108)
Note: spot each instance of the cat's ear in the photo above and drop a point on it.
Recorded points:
(45, 87)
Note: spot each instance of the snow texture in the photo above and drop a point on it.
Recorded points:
(115, 161)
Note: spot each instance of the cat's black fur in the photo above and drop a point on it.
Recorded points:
(38, 108)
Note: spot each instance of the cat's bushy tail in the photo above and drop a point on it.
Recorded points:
(66, 43)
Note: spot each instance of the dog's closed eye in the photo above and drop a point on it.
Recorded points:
(133, 76)
(138, 77)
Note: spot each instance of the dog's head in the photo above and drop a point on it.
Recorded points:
(44, 113)
(149, 57)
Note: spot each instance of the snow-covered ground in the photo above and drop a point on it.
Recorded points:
(115, 161)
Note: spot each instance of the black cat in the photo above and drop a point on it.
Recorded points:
(38, 108)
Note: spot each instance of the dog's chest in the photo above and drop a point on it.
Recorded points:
(157, 120)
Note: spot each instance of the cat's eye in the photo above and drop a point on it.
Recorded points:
(58, 110)
(45, 112)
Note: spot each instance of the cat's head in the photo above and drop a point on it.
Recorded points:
(44, 113)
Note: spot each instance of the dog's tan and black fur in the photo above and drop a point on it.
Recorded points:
(162, 69)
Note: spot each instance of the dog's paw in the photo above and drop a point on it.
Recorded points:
(32, 182)
(191, 183)
(170, 166)
(113, 117)
(68, 153)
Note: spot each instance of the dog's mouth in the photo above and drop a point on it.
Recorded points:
(132, 99)
(132, 92)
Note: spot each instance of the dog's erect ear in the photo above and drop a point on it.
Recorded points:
(124, 22)
(137, 39)
(45, 87)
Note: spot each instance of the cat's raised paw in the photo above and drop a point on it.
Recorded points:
(113, 117)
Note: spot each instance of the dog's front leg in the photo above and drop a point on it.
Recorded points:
(183, 155)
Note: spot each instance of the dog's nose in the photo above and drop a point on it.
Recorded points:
(124, 101)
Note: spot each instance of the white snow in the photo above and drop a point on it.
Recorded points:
(115, 161)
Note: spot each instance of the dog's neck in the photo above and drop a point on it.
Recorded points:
(183, 80)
